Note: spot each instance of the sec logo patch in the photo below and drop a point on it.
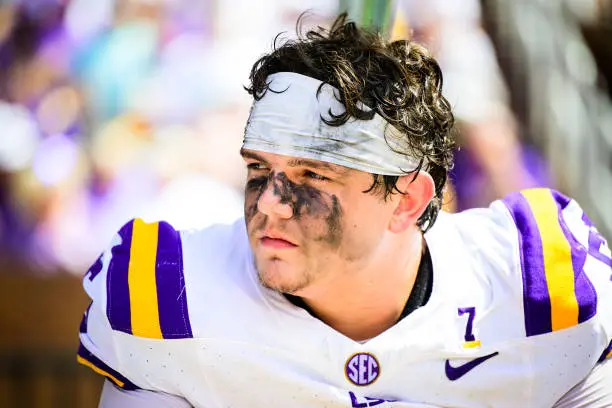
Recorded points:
(362, 369)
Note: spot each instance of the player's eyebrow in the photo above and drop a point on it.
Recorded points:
(315, 164)
(247, 154)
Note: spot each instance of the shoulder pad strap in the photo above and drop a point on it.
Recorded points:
(145, 285)
(556, 291)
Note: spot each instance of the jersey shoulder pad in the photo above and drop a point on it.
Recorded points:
(562, 259)
(145, 292)
(137, 292)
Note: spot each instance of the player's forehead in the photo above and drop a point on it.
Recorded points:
(292, 161)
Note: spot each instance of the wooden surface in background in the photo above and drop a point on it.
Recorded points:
(41, 312)
(39, 326)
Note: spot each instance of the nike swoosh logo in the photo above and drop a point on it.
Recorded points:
(454, 373)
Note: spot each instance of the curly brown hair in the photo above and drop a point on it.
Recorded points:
(399, 80)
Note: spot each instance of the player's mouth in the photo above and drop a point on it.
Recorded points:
(275, 241)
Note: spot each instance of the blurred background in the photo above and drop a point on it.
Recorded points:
(111, 109)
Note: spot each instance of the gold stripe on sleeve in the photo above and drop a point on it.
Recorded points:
(557, 253)
(98, 370)
(142, 282)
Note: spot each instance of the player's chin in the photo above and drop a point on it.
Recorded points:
(279, 275)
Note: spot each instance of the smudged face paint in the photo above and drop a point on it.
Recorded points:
(307, 224)
(304, 201)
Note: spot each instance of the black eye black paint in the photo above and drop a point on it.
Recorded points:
(253, 190)
(305, 201)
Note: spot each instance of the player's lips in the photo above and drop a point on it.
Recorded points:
(274, 240)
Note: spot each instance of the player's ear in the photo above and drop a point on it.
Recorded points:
(417, 194)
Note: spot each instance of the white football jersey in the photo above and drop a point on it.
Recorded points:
(520, 311)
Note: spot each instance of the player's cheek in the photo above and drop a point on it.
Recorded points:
(326, 226)
(250, 208)
(252, 192)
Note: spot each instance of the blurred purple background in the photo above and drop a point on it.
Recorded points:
(112, 109)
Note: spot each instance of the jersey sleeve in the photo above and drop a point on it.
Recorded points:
(592, 392)
(138, 295)
(113, 397)
(565, 264)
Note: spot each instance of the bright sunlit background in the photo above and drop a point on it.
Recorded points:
(111, 109)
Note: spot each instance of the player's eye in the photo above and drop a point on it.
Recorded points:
(315, 176)
(256, 166)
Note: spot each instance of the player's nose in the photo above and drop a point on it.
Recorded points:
(271, 204)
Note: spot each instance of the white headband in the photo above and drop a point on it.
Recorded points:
(287, 121)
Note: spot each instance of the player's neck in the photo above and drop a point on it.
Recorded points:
(363, 304)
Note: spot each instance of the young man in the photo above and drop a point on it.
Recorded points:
(339, 288)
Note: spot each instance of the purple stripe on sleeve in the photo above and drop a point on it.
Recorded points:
(117, 289)
(171, 296)
(536, 299)
(605, 353)
(562, 200)
(596, 241)
(586, 295)
(95, 361)
(94, 269)
(587, 220)
(83, 326)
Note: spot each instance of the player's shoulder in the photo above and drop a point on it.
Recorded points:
(564, 260)
(141, 280)
(143, 300)
(544, 244)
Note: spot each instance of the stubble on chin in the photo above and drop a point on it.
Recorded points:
(272, 277)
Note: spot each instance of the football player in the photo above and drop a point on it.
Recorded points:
(344, 285)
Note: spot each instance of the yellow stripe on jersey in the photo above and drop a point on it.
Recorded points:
(558, 266)
(142, 282)
(471, 344)
(98, 370)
